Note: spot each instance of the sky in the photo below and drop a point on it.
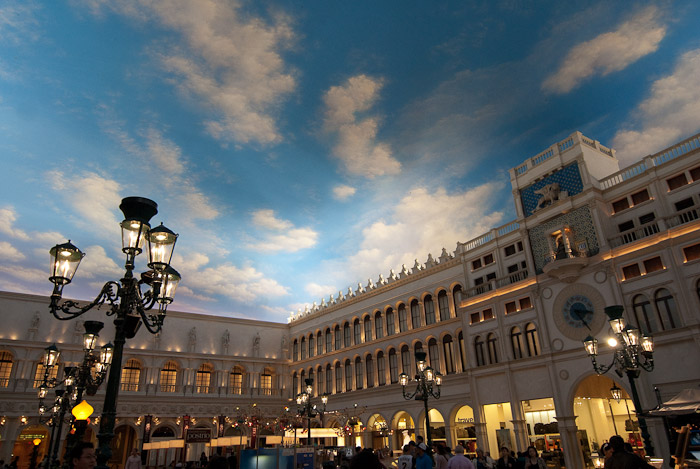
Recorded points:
(300, 147)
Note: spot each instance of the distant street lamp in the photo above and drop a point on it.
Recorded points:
(428, 384)
(306, 408)
(126, 302)
(633, 352)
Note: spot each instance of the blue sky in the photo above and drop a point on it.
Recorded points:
(301, 147)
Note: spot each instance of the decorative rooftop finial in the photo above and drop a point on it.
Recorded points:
(416, 267)
(430, 262)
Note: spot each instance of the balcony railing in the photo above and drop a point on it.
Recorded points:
(654, 227)
(681, 218)
(496, 283)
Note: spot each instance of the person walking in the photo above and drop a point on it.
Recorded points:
(405, 461)
(532, 459)
(423, 461)
(506, 461)
(459, 461)
(134, 460)
(622, 459)
(440, 457)
(481, 461)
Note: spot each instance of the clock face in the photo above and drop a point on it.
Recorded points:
(578, 311)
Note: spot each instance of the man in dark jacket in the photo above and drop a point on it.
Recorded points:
(622, 459)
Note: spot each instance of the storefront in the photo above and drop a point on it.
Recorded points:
(499, 427)
(379, 431)
(465, 431)
(404, 430)
(543, 430)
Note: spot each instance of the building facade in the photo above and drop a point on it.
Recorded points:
(502, 318)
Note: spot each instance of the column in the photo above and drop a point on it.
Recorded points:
(482, 438)
(519, 424)
(573, 456)
(10, 434)
(450, 434)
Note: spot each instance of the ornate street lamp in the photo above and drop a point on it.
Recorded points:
(428, 382)
(633, 352)
(306, 409)
(127, 303)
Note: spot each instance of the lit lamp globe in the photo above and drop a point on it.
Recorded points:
(82, 411)
(36, 441)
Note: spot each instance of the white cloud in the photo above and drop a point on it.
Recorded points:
(22, 272)
(320, 291)
(231, 62)
(97, 265)
(164, 153)
(609, 52)
(343, 192)
(18, 21)
(669, 114)
(423, 222)
(8, 217)
(10, 253)
(91, 195)
(281, 235)
(265, 218)
(356, 144)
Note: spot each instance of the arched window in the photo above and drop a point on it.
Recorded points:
(429, 306)
(406, 361)
(329, 379)
(319, 380)
(295, 350)
(381, 369)
(449, 358)
(491, 345)
(369, 365)
(415, 314)
(403, 318)
(303, 348)
(393, 366)
(131, 375)
(5, 368)
(346, 335)
(357, 331)
(41, 373)
(168, 377)
(457, 296)
(368, 329)
(302, 380)
(329, 341)
(295, 384)
(644, 315)
(319, 344)
(312, 345)
(443, 306)
(462, 351)
(390, 324)
(348, 375)
(266, 382)
(516, 342)
(235, 381)
(358, 373)
(336, 333)
(378, 325)
(666, 306)
(203, 378)
(434, 355)
(479, 351)
(338, 378)
(533, 340)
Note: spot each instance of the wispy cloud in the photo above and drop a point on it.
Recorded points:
(318, 291)
(357, 146)
(343, 192)
(280, 235)
(669, 114)
(230, 62)
(609, 52)
(10, 253)
(8, 217)
(18, 22)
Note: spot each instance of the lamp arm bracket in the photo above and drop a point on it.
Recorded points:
(70, 309)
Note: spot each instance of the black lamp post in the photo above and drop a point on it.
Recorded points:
(306, 408)
(126, 302)
(428, 384)
(632, 353)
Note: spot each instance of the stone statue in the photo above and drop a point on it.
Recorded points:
(285, 343)
(33, 326)
(225, 339)
(549, 194)
(256, 345)
(192, 342)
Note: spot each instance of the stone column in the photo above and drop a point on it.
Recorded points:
(573, 456)
(482, 437)
(450, 434)
(10, 434)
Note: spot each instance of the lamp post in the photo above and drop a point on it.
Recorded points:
(428, 384)
(633, 352)
(58, 415)
(127, 303)
(306, 408)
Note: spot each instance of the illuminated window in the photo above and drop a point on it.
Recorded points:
(203, 379)
(39, 375)
(235, 381)
(5, 368)
(131, 375)
(692, 253)
(266, 383)
(168, 377)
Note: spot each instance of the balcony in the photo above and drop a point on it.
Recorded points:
(566, 265)
(496, 283)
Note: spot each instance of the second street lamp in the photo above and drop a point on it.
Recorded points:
(127, 303)
(307, 409)
(633, 352)
(428, 384)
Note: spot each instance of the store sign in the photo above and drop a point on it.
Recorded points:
(198, 435)
(465, 420)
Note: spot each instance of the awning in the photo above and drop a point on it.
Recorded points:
(686, 402)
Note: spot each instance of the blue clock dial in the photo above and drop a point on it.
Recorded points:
(578, 311)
